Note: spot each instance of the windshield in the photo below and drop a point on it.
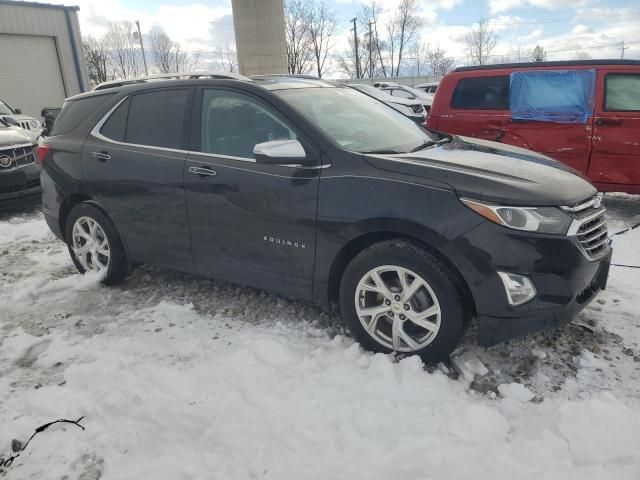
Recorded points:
(4, 109)
(356, 121)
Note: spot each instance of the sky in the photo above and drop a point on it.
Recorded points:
(563, 27)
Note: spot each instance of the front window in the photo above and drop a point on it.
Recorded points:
(5, 109)
(356, 121)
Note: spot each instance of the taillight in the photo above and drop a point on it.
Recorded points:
(41, 152)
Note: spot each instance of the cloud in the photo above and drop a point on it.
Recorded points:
(501, 6)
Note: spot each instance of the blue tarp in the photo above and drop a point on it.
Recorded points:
(561, 96)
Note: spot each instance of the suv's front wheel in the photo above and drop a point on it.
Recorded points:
(94, 244)
(396, 296)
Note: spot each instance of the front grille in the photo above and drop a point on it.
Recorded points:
(20, 188)
(589, 226)
(18, 157)
(25, 125)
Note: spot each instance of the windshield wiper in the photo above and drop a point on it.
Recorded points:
(383, 151)
(446, 138)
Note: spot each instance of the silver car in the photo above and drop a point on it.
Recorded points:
(15, 117)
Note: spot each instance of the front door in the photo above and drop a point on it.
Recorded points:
(134, 163)
(250, 223)
(615, 161)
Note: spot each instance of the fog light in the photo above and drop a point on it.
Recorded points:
(520, 289)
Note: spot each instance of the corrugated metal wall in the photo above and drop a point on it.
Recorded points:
(24, 19)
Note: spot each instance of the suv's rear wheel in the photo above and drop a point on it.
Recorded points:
(94, 244)
(396, 296)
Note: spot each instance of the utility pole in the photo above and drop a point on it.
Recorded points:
(370, 47)
(622, 49)
(144, 58)
(355, 39)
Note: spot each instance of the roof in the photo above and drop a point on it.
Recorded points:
(170, 76)
(567, 63)
(283, 82)
(38, 5)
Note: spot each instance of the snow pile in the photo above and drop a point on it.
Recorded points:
(516, 391)
(171, 390)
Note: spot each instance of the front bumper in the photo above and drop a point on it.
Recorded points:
(20, 186)
(565, 279)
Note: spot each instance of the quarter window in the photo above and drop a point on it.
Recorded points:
(156, 118)
(622, 92)
(116, 124)
(482, 93)
(232, 124)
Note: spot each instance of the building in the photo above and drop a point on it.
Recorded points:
(41, 61)
(260, 36)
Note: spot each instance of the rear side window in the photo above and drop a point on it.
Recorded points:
(622, 92)
(115, 126)
(156, 118)
(75, 111)
(482, 93)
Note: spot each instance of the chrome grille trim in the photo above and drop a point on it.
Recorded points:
(21, 156)
(589, 227)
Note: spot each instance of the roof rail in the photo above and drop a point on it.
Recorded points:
(171, 76)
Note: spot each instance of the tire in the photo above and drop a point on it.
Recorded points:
(437, 305)
(115, 264)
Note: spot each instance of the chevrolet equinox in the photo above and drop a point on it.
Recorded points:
(321, 193)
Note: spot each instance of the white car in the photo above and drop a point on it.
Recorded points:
(429, 87)
(15, 117)
(411, 94)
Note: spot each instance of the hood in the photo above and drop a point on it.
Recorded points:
(11, 136)
(493, 172)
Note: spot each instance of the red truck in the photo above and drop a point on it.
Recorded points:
(583, 113)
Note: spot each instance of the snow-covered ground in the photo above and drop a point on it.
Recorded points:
(180, 377)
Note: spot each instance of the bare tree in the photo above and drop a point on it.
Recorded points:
(368, 19)
(321, 23)
(420, 55)
(538, 54)
(439, 64)
(168, 56)
(346, 62)
(407, 24)
(124, 57)
(228, 59)
(481, 41)
(96, 59)
(299, 48)
(582, 55)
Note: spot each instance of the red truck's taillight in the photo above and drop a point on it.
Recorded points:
(41, 152)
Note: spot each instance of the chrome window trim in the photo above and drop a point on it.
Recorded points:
(95, 132)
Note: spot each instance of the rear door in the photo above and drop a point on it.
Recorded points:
(250, 223)
(133, 163)
(615, 160)
(479, 108)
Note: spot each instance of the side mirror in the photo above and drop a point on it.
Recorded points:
(17, 110)
(280, 152)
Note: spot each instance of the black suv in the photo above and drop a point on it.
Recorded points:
(322, 193)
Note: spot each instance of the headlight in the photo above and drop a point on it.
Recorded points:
(530, 219)
(34, 123)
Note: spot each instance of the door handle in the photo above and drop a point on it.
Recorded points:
(203, 172)
(102, 156)
(610, 122)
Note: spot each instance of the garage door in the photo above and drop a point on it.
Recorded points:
(30, 75)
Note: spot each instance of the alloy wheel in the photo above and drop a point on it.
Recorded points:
(90, 245)
(398, 308)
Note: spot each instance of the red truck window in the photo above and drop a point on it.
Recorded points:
(622, 92)
(482, 93)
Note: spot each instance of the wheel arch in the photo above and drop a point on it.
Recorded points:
(70, 202)
(416, 234)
